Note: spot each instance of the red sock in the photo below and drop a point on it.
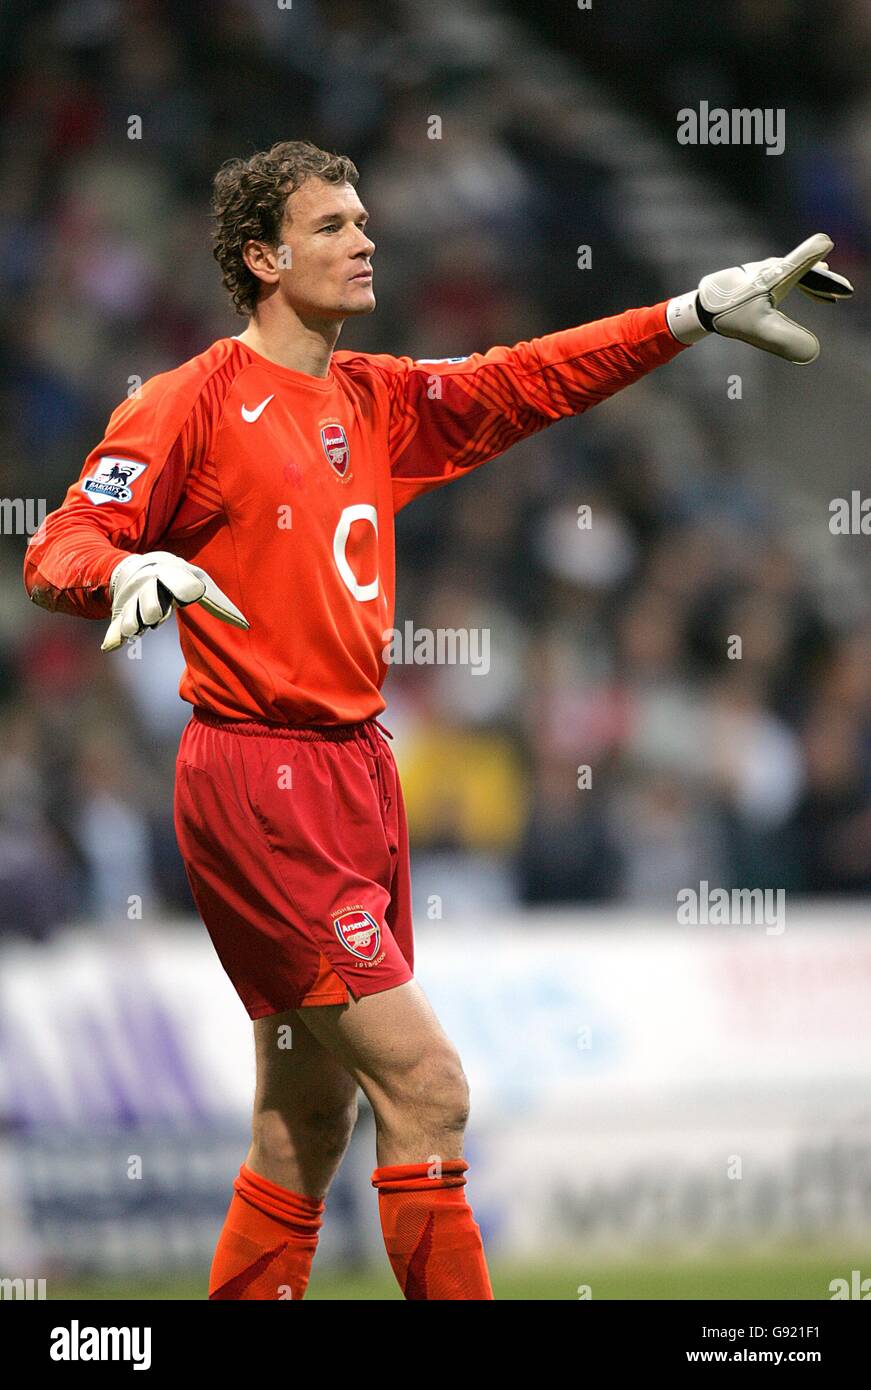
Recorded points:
(268, 1241)
(430, 1233)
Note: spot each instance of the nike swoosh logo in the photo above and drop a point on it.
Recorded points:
(252, 415)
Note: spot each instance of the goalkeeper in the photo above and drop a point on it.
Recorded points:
(252, 492)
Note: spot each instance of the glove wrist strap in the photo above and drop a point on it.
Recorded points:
(119, 573)
(683, 315)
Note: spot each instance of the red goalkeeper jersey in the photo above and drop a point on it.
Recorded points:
(283, 487)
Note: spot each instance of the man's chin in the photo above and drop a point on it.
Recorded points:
(362, 303)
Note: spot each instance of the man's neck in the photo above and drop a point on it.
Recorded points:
(302, 346)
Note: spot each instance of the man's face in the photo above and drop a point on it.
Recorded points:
(325, 268)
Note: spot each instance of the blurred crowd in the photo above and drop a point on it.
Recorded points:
(811, 60)
(620, 746)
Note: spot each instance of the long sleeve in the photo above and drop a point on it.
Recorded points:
(451, 415)
(125, 497)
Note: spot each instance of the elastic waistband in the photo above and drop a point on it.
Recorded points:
(253, 728)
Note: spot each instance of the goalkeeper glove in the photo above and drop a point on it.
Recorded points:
(146, 588)
(742, 302)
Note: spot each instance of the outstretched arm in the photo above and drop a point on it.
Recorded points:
(450, 415)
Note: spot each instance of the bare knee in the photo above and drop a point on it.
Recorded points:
(321, 1130)
(433, 1091)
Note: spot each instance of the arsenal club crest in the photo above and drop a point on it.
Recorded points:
(358, 932)
(335, 444)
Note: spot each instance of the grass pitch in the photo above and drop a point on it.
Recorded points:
(792, 1274)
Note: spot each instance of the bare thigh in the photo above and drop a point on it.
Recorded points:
(305, 1105)
(394, 1047)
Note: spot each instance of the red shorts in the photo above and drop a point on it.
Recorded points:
(296, 849)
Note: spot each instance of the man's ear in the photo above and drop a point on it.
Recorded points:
(262, 260)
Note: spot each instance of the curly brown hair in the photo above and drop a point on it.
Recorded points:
(249, 200)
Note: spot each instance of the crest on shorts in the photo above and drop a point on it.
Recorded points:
(358, 932)
(335, 443)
